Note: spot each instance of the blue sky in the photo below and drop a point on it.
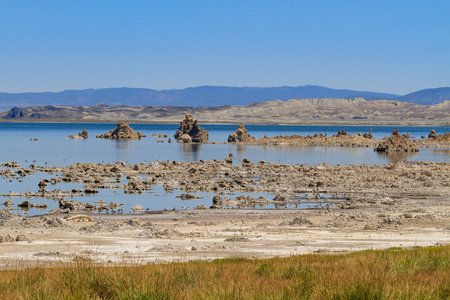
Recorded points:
(384, 46)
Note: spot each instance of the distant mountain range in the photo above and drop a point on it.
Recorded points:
(428, 96)
(205, 96)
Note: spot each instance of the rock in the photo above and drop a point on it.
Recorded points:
(188, 196)
(71, 205)
(237, 239)
(159, 135)
(11, 164)
(122, 132)
(299, 221)
(8, 203)
(432, 134)
(189, 127)
(114, 205)
(133, 222)
(137, 208)
(185, 138)
(90, 190)
(80, 135)
(320, 135)
(22, 238)
(397, 143)
(341, 133)
(217, 200)
(368, 135)
(370, 227)
(240, 135)
(41, 206)
(25, 205)
(280, 198)
(445, 137)
(201, 206)
(228, 160)
(7, 238)
(42, 184)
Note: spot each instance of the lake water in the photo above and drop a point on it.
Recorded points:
(54, 149)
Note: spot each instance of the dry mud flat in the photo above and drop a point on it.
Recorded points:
(397, 205)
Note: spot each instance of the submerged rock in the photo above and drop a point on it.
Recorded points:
(190, 132)
(240, 135)
(122, 131)
(397, 143)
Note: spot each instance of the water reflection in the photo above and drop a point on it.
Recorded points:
(122, 149)
(441, 151)
(398, 156)
(241, 149)
(190, 151)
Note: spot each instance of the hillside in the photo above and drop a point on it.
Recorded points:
(296, 111)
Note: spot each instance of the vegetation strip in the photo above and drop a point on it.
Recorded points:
(419, 273)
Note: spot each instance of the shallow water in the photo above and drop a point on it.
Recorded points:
(54, 149)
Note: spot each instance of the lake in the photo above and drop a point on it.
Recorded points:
(54, 149)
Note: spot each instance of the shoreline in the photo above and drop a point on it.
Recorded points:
(402, 204)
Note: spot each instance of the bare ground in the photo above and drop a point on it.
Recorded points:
(212, 234)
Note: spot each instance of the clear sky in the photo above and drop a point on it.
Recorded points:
(384, 46)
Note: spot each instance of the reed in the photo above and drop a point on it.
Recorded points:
(419, 273)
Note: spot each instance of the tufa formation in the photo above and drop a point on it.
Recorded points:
(240, 135)
(80, 135)
(190, 132)
(444, 137)
(122, 132)
(397, 143)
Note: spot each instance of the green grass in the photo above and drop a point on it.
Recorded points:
(419, 273)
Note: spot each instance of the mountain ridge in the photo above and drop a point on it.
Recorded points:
(427, 96)
(206, 96)
(192, 96)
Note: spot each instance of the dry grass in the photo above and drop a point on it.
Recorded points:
(421, 273)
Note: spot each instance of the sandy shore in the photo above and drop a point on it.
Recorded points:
(206, 235)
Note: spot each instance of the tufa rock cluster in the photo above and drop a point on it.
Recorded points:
(190, 132)
(444, 137)
(81, 135)
(240, 135)
(368, 135)
(122, 132)
(397, 143)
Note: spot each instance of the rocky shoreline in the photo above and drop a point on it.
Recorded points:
(230, 176)
(357, 207)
